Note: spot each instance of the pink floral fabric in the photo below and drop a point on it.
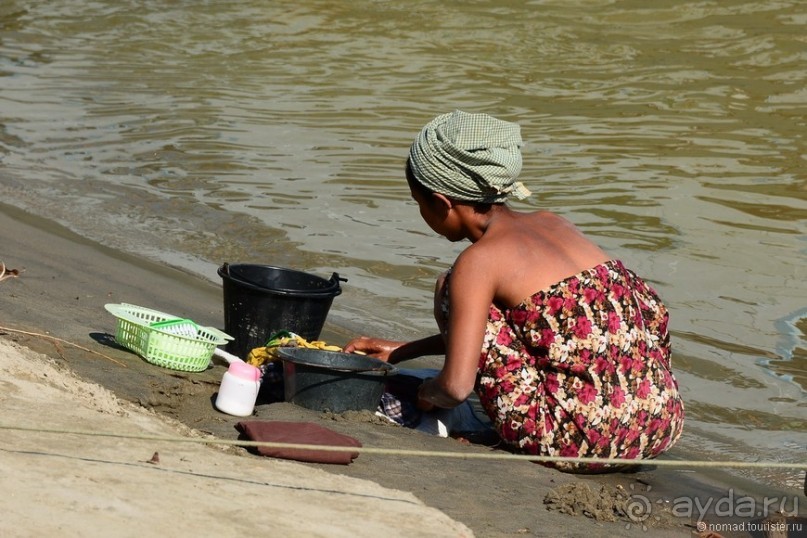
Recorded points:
(582, 368)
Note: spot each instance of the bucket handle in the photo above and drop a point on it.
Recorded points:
(335, 279)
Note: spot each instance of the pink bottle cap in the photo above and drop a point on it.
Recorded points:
(244, 371)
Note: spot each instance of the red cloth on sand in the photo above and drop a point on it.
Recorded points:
(304, 433)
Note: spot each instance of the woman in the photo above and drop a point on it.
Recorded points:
(567, 349)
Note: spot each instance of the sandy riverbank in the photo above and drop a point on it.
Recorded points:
(76, 485)
(92, 484)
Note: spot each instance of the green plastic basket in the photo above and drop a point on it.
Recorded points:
(164, 339)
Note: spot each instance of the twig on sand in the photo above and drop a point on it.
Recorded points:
(57, 341)
(8, 273)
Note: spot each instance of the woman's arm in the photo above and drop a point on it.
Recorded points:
(394, 351)
(471, 291)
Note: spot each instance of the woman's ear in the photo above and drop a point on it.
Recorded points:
(442, 201)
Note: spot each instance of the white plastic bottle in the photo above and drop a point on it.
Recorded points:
(239, 389)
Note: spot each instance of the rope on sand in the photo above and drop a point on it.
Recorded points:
(60, 341)
(420, 453)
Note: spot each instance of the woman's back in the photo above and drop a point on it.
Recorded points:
(528, 252)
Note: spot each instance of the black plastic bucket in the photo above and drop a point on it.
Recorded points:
(329, 380)
(261, 300)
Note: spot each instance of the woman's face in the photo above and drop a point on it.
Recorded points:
(427, 208)
(437, 213)
(432, 210)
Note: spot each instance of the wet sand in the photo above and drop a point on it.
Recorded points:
(61, 292)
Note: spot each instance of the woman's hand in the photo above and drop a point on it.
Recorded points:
(374, 347)
(432, 393)
(425, 406)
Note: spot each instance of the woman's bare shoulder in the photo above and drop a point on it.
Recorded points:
(530, 253)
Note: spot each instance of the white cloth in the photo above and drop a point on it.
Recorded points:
(444, 422)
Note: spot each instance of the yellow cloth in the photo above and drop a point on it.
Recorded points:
(269, 353)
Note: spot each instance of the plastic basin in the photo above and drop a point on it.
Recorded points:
(333, 381)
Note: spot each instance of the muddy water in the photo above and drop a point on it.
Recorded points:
(202, 132)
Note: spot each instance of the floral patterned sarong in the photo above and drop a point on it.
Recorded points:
(582, 368)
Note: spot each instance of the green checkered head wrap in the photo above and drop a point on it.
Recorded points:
(469, 157)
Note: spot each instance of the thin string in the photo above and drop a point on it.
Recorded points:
(420, 453)
(61, 341)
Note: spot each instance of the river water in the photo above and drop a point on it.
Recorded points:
(673, 133)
